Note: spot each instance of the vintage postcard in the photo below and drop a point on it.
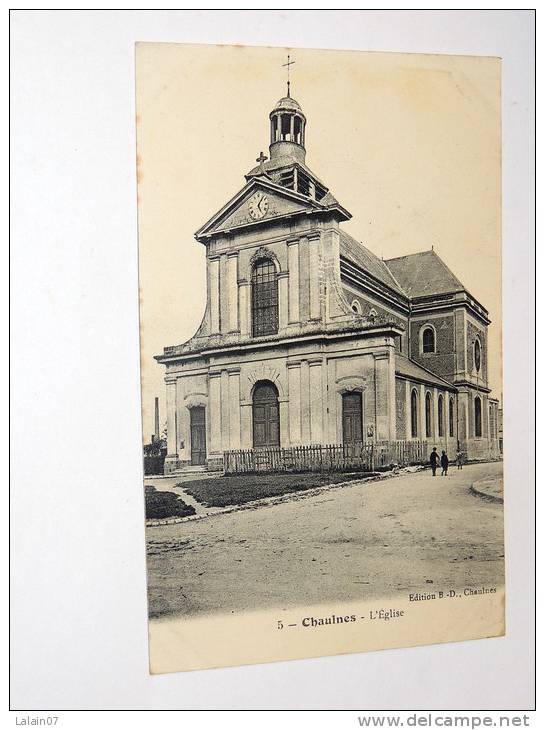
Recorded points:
(320, 282)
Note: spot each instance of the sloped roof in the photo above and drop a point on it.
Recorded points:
(423, 274)
(356, 252)
(279, 163)
(329, 199)
(409, 369)
(263, 181)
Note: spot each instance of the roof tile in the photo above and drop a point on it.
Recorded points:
(356, 252)
(423, 274)
(408, 368)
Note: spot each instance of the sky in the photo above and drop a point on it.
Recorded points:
(410, 144)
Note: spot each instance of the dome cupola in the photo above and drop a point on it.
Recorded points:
(287, 130)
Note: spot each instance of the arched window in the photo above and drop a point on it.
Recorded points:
(478, 418)
(414, 414)
(451, 417)
(477, 355)
(297, 130)
(428, 340)
(264, 299)
(440, 416)
(428, 415)
(274, 129)
(356, 306)
(266, 419)
(285, 133)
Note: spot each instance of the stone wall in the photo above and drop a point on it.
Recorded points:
(474, 332)
(310, 380)
(367, 304)
(443, 360)
(401, 411)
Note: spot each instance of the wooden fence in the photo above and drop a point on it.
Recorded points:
(366, 456)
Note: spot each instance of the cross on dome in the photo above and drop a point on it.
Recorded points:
(288, 64)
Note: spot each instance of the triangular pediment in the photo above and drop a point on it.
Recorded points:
(278, 202)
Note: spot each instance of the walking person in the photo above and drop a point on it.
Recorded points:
(444, 464)
(459, 458)
(434, 460)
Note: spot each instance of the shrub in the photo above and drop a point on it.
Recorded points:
(230, 490)
(160, 505)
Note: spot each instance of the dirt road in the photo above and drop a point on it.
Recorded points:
(363, 541)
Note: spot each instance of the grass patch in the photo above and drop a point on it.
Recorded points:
(225, 491)
(160, 505)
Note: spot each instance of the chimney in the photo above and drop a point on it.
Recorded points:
(157, 434)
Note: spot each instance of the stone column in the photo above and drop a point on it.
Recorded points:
(408, 410)
(283, 285)
(392, 393)
(305, 402)
(214, 389)
(459, 343)
(314, 269)
(232, 291)
(224, 295)
(330, 401)
(234, 408)
(214, 274)
(463, 416)
(316, 402)
(294, 394)
(304, 280)
(486, 415)
(293, 266)
(225, 411)
(435, 414)
(183, 431)
(283, 406)
(422, 424)
(382, 396)
(244, 306)
(246, 426)
(172, 438)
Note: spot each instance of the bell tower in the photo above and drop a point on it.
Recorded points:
(287, 126)
(287, 130)
(286, 165)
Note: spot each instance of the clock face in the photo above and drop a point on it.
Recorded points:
(258, 205)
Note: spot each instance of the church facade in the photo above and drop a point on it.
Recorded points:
(309, 338)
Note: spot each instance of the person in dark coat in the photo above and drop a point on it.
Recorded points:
(434, 460)
(444, 464)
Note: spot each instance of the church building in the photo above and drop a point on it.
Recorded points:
(309, 338)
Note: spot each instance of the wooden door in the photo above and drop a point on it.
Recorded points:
(198, 435)
(352, 418)
(266, 421)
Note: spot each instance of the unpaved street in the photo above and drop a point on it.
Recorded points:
(405, 534)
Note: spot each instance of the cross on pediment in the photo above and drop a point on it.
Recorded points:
(261, 159)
